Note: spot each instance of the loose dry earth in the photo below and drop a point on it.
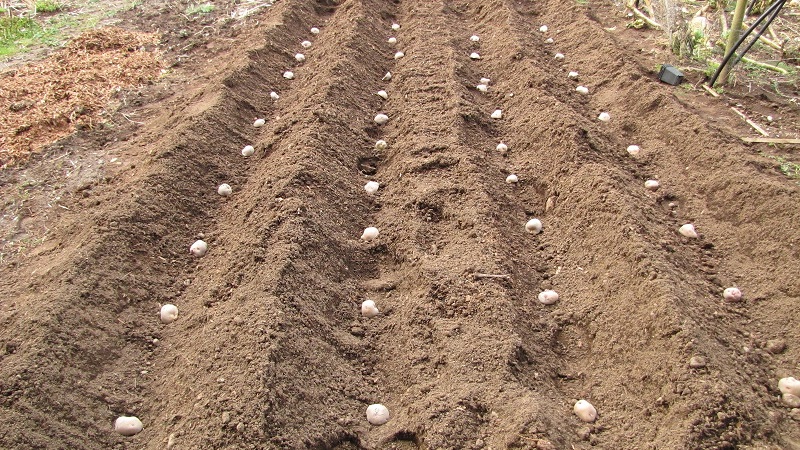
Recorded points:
(270, 349)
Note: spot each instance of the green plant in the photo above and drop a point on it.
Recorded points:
(203, 8)
(788, 168)
(16, 33)
(711, 68)
(47, 6)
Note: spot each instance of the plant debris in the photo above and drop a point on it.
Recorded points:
(45, 101)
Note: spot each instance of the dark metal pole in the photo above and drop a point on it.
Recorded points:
(772, 8)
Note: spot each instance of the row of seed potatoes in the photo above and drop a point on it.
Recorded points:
(132, 425)
(584, 410)
(789, 387)
(377, 413)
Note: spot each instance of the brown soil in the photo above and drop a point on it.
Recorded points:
(270, 349)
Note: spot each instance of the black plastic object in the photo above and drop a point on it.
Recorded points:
(670, 75)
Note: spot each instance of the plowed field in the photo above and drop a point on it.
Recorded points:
(270, 349)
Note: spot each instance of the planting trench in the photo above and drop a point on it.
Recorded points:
(270, 350)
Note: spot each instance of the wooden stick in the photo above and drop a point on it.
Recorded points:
(750, 122)
(653, 24)
(769, 42)
(723, 20)
(478, 276)
(768, 140)
(703, 10)
(780, 70)
(710, 91)
(773, 34)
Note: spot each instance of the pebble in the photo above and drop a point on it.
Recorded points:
(226, 417)
(550, 204)
(697, 362)
(544, 444)
(776, 346)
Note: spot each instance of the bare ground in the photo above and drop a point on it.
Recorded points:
(270, 349)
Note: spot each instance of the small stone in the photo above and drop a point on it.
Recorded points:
(226, 417)
(584, 433)
(240, 427)
(357, 331)
(795, 414)
(697, 362)
(776, 346)
(550, 204)
(544, 444)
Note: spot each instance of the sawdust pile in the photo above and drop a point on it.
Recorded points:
(71, 89)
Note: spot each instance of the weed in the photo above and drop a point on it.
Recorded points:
(47, 6)
(711, 68)
(204, 8)
(134, 4)
(788, 168)
(16, 33)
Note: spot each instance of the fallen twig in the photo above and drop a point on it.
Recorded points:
(710, 91)
(762, 65)
(768, 140)
(478, 276)
(129, 119)
(769, 42)
(652, 23)
(750, 122)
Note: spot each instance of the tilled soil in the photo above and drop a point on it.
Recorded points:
(270, 349)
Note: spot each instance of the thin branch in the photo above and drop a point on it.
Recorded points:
(479, 276)
(750, 122)
(710, 91)
(762, 65)
(768, 140)
(767, 41)
(652, 23)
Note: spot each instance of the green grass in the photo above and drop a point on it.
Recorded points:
(16, 34)
(22, 34)
(204, 8)
(48, 6)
